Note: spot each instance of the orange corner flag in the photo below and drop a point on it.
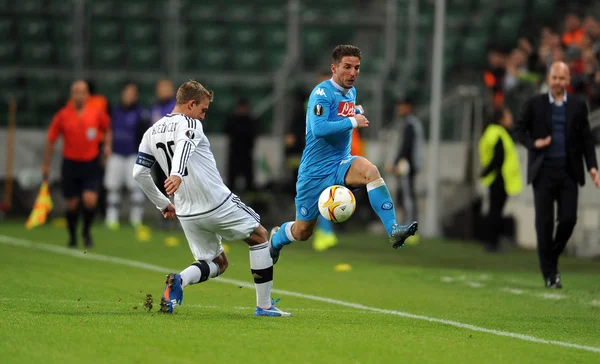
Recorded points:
(43, 205)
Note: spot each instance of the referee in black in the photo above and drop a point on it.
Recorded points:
(554, 127)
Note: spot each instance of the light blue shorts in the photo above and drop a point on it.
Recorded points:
(308, 189)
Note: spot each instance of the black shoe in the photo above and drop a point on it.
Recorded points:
(72, 244)
(88, 242)
(553, 281)
(401, 232)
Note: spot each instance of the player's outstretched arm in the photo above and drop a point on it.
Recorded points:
(141, 172)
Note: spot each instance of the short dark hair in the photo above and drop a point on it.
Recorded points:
(344, 50)
(406, 100)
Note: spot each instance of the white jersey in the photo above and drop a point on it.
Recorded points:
(179, 145)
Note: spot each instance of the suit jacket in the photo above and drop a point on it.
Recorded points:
(535, 122)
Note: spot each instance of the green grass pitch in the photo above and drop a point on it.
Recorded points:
(435, 302)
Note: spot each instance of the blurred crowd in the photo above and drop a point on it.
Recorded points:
(521, 71)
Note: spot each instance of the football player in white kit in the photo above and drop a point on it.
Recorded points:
(207, 209)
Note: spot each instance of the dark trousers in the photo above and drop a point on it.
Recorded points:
(408, 198)
(553, 184)
(494, 222)
(241, 164)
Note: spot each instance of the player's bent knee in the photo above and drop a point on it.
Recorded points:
(372, 173)
(258, 236)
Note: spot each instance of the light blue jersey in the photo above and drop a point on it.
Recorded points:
(329, 124)
(326, 157)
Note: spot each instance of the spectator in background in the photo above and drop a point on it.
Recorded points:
(409, 160)
(83, 127)
(128, 126)
(554, 127)
(501, 172)
(493, 76)
(242, 130)
(165, 100)
(573, 34)
(165, 103)
(295, 138)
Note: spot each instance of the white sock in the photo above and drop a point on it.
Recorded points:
(199, 272)
(261, 266)
(112, 211)
(137, 209)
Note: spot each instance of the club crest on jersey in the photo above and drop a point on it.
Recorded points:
(318, 110)
(346, 109)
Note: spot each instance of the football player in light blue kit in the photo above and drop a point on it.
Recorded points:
(330, 118)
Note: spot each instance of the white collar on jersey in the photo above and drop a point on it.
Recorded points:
(343, 89)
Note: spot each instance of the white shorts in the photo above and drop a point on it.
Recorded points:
(119, 172)
(232, 220)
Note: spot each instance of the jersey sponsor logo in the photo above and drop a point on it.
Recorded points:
(318, 110)
(387, 205)
(346, 109)
(320, 92)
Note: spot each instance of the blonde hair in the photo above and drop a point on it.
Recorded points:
(192, 90)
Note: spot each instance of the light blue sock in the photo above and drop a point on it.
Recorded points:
(325, 225)
(283, 236)
(382, 204)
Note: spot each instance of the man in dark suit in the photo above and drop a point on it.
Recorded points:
(555, 129)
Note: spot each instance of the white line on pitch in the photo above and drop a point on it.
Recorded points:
(9, 240)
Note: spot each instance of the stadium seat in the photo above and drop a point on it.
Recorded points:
(8, 53)
(6, 27)
(275, 37)
(146, 57)
(244, 36)
(543, 9)
(242, 11)
(272, 13)
(62, 30)
(105, 32)
(142, 9)
(60, 8)
(248, 60)
(140, 33)
(65, 54)
(33, 29)
(44, 92)
(110, 87)
(508, 29)
(314, 40)
(210, 10)
(37, 54)
(481, 23)
(474, 50)
(216, 58)
(28, 7)
(104, 8)
(275, 58)
(210, 35)
(107, 56)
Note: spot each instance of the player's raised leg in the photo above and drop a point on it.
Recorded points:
(364, 173)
